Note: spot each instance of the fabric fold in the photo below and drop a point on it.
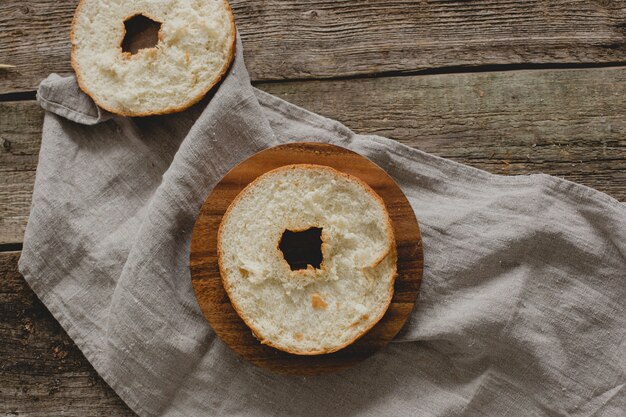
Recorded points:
(520, 313)
(63, 97)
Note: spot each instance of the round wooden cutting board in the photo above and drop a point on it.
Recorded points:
(214, 301)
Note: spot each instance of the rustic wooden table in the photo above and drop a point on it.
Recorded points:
(512, 87)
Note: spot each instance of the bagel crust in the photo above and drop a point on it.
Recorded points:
(308, 311)
(196, 45)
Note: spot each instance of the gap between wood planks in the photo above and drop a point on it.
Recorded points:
(11, 247)
(457, 69)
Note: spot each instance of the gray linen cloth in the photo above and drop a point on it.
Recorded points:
(521, 312)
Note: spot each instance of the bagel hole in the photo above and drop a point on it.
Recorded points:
(141, 33)
(302, 248)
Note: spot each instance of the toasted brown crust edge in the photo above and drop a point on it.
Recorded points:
(392, 251)
(167, 110)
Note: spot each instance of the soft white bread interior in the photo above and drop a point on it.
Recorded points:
(195, 47)
(313, 310)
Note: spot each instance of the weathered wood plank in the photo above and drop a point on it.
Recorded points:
(19, 141)
(20, 138)
(16, 188)
(568, 123)
(321, 38)
(42, 372)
